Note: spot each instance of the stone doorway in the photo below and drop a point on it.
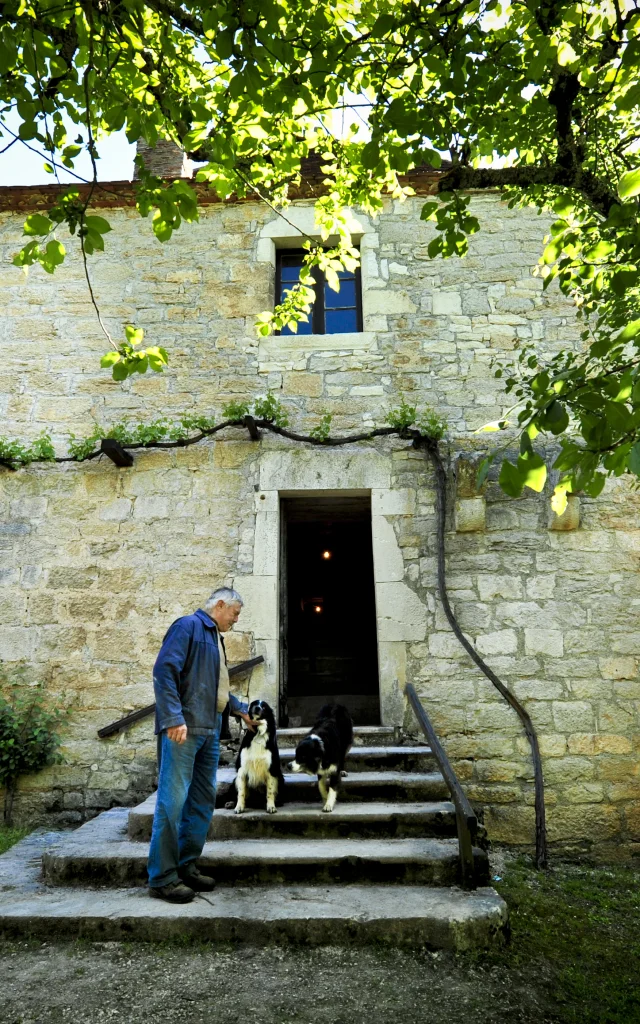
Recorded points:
(327, 608)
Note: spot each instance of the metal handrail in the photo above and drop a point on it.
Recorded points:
(466, 820)
(137, 716)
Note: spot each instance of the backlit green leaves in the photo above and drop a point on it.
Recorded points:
(126, 361)
(629, 184)
(453, 221)
(171, 204)
(529, 471)
(91, 231)
(252, 92)
(37, 224)
(559, 499)
(48, 256)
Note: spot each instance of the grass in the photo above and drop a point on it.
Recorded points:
(579, 928)
(10, 836)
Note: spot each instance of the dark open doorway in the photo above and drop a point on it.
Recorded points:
(328, 612)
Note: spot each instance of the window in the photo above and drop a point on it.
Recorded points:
(332, 312)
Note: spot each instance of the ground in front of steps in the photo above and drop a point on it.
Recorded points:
(116, 982)
(574, 958)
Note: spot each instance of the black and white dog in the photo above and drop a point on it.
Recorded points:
(323, 750)
(258, 761)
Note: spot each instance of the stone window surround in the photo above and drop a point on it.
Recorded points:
(279, 233)
(401, 617)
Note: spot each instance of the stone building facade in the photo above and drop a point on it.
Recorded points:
(97, 561)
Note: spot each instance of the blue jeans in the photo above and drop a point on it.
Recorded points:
(185, 804)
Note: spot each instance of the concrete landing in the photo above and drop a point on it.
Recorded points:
(99, 853)
(303, 915)
(307, 820)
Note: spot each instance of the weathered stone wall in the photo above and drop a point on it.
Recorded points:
(97, 561)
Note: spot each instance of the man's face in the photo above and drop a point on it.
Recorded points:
(226, 615)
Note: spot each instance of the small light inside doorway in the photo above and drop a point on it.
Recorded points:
(317, 608)
(326, 555)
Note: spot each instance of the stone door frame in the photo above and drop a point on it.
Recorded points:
(401, 617)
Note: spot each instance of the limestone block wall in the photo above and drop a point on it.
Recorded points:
(97, 561)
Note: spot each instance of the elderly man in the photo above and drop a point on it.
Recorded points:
(191, 684)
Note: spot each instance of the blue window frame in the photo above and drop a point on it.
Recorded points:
(332, 312)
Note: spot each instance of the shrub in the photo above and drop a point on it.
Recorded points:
(29, 739)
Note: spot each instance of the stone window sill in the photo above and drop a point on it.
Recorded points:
(282, 343)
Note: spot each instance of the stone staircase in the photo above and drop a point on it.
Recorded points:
(384, 866)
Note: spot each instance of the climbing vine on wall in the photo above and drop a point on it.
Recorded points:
(189, 429)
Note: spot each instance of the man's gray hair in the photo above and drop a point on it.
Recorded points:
(225, 594)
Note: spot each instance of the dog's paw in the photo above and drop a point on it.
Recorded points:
(239, 810)
(271, 810)
(327, 809)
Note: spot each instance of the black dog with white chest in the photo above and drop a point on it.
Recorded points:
(323, 751)
(258, 762)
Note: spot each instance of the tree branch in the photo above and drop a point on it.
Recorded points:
(594, 190)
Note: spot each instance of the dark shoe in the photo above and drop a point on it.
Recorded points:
(196, 880)
(174, 892)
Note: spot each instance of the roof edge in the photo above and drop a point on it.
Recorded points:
(122, 194)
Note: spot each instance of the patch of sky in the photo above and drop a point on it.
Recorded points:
(24, 162)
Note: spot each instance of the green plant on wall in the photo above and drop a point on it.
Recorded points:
(267, 409)
(428, 422)
(29, 739)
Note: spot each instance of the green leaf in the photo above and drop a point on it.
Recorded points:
(618, 416)
(37, 224)
(98, 224)
(55, 252)
(632, 330)
(633, 462)
(629, 184)
(92, 241)
(483, 471)
(109, 359)
(119, 371)
(525, 443)
(511, 479)
(594, 487)
(488, 428)
(555, 418)
(134, 335)
(559, 500)
(566, 54)
(533, 470)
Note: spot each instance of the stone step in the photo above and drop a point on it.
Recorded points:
(380, 785)
(392, 758)
(350, 915)
(348, 820)
(99, 853)
(363, 736)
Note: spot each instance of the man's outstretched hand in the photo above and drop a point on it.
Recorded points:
(250, 724)
(177, 733)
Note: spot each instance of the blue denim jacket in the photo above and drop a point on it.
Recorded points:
(185, 676)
